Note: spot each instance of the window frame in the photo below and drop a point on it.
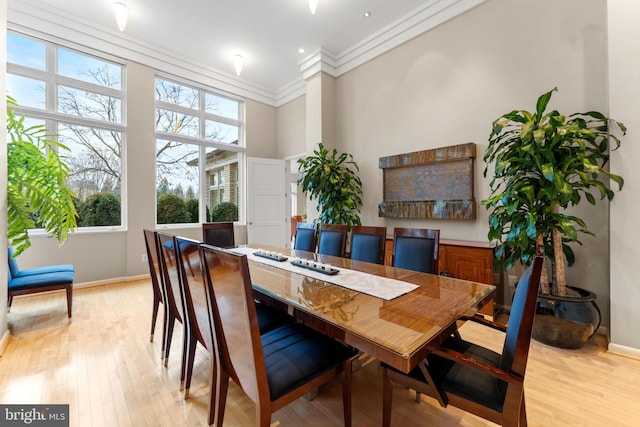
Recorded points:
(53, 118)
(202, 142)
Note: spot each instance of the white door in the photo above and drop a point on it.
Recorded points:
(267, 219)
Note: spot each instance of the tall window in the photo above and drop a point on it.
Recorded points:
(80, 98)
(198, 151)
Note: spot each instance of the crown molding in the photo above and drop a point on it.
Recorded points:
(25, 16)
(422, 19)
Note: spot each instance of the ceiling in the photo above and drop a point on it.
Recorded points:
(267, 33)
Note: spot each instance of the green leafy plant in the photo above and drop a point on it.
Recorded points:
(331, 179)
(36, 183)
(543, 163)
(225, 211)
(171, 209)
(100, 209)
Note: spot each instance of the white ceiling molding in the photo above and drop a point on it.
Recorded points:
(24, 16)
(426, 17)
(320, 60)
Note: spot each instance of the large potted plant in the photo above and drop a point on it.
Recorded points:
(331, 178)
(37, 191)
(543, 163)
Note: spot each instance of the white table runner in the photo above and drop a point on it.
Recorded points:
(370, 284)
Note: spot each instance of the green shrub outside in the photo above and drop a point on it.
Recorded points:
(172, 209)
(225, 211)
(99, 209)
(192, 208)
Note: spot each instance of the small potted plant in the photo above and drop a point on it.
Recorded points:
(331, 178)
(544, 162)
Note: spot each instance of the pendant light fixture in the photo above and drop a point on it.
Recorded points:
(237, 63)
(313, 5)
(122, 13)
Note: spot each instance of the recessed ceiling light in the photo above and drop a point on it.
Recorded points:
(366, 14)
(301, 50)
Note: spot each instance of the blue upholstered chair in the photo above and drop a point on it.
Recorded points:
(305, 237)
(367, 243)
(416, 249)
(474, 378)
(39, 279)
(333, 239)
(273, 369)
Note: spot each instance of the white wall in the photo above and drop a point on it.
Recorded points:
(624, 99)
(291, 128)
(447, 85)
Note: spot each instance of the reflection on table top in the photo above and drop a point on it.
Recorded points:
(398, 332)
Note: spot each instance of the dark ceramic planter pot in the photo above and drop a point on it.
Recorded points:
(566, 322)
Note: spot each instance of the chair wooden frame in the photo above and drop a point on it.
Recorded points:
(364, 229)
(421, 233)
(513, 411)
(157, 279)
(229, 238)
(174, 301)
(341, 229)
(230, 268)
(193, 291)
(306, 226)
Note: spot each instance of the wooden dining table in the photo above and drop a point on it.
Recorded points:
(399, 332)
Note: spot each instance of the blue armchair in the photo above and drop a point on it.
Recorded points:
(39, 279)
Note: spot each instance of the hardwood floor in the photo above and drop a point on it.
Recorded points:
(103, 365)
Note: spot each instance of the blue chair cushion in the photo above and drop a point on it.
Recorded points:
(304, 240)
(40, 280)
(271, 318)
(467, 382)
(331, 243)
(15, 271)
(295, 354)
(366, 247)
(414, 253)
(464, 381)
(46, 269)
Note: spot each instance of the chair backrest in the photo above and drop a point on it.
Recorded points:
(237, 335)
(218, 234)
(153, 258)
(169, 262)
(194, 290)
(13, 264)
(367, 243)
(295, 219)
(515, 351)
(333, 239)
(305, 237)
(416, 249)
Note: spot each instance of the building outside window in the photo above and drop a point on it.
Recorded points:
(80, 98)
(198, 154)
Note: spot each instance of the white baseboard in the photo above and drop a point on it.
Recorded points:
(4, 342)
(624, 350)
(110, 281)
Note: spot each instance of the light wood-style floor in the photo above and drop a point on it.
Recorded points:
(103, 365)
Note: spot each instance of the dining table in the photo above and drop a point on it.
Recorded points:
(395, 315)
